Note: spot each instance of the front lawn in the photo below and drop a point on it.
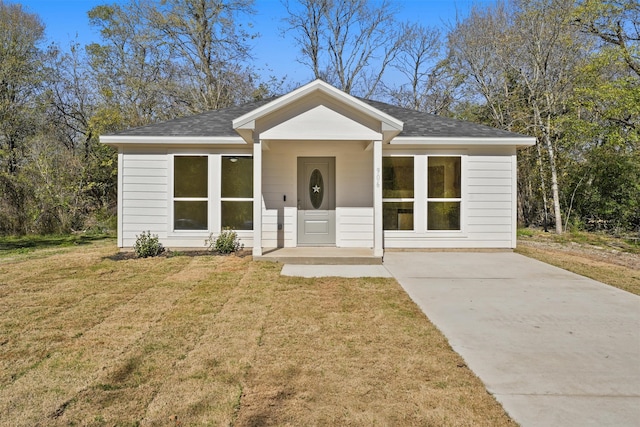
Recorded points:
(91, 338)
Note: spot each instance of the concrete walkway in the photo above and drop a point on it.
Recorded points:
(554, 348)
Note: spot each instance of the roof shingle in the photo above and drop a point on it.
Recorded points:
(218, 123)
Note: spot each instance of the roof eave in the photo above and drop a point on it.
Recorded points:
(118, 140)
(517, 141)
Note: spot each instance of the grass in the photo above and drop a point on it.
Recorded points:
(610, 260)
(627, 244)
(11, 246)
(95, 339)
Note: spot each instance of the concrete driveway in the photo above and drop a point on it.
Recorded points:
(554, 348)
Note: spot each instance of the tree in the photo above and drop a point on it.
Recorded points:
(427, 83)
(347, 43)
(616, 23)
(21, 76)
(131, 70)
(209, 44)
(604, 119)
(523, 62)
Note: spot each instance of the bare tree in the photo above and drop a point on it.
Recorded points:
(348, 43)
(210, 46)
(522, 57)
(428, 85)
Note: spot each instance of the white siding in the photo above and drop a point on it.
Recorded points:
(488, 197)
(354, 189)
(278, 227)
(144, 198)
(488, 203)
(354, 227)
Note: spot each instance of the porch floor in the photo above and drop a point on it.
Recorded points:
(320, 256)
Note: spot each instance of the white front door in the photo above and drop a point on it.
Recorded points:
(316, 201)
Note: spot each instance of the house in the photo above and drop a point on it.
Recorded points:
(318, 167)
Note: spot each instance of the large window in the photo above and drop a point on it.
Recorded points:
(236, 205)
(397, 193)
(190, 193)
(444, 194)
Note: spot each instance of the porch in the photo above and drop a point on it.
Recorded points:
(320, 256)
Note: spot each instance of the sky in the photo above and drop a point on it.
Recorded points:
(274, 55)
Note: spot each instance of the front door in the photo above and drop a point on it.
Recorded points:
(316, 201)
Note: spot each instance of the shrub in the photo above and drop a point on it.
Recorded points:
(226, 242)
(147, 245)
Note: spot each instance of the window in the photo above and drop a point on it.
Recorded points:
(236, 205)
(190, 193)
(444, 193)
(397, 193)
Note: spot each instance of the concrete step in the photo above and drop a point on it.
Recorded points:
(320, 256)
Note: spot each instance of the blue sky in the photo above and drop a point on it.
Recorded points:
(274, 55)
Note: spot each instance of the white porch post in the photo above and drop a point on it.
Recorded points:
(257, 198)
(377, 198)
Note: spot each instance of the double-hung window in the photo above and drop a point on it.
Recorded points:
(397, 193)
(190, 193)
(236, 203)
(444, 193)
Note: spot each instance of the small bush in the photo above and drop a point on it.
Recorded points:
(226, 242)
(147, 245)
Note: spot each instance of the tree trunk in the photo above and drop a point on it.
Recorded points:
(546, 136)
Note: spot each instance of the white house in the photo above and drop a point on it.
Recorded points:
(318, 167)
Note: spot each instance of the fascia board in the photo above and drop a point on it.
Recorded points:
(517, 141)
(165, 140)
(318, 85)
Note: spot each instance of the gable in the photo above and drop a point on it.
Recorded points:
(320, 123)
(304, 101)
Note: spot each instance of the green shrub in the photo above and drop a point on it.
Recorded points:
(147, 245)
(226, 242)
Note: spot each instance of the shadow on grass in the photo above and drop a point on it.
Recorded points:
(127, 255)
(23, 244)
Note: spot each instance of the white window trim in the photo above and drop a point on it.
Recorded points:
(231, 199)
(446, 233)
(404, 199)
(172, 232)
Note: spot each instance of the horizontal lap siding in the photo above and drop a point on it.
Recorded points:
(354, 227)
(272, 237)
(489, 200)
(354, 177)
(144, 195)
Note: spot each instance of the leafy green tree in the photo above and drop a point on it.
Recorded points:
(603, 123)
(21, 77)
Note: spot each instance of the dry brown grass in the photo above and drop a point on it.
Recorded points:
(604, 263)
(89, 339)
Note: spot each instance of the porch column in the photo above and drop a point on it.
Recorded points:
(257, 198)
(377, 199)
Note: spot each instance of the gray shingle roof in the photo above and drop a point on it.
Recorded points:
(419, 124)
(218, 123)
